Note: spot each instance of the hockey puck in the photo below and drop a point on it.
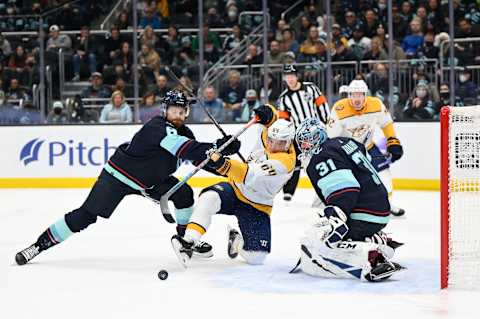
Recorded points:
(162, 274)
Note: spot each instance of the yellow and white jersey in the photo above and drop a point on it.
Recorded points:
(360, 125)
(262, 177)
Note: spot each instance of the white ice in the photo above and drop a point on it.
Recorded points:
(110, 269)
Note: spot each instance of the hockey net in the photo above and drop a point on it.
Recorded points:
(460, 196)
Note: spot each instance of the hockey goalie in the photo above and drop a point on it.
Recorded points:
(347, 240)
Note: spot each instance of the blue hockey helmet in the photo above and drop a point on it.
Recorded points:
(310, 135)
(175, 98)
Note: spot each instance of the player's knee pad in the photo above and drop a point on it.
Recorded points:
(183, 197)
(208, 204)
(79, 219)
(253, 257)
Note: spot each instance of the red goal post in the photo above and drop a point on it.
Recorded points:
(460, 197)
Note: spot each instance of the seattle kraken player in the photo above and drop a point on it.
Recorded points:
(347, 240)
(144, 166)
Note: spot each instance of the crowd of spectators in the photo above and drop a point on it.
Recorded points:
(359, 34)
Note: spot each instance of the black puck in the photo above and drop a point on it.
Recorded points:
(162, 274)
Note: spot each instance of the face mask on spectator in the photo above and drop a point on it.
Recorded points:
(463, 78)
(429, 44)
(57, 111)
(251, 103)
(444, 95)
(382, 6)
(421, 93)
(232, 14)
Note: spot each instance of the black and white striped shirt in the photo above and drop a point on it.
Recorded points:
(304, 103)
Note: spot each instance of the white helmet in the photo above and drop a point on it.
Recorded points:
(358, 86)
(343, 89)
(282, 130)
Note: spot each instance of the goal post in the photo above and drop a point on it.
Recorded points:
(460, 197)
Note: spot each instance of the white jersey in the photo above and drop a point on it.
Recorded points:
(360, 125)
(262, 177)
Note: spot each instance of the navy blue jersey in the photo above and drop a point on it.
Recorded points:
(343, 176)
(154, 153)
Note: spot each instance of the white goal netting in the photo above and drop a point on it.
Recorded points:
(463, 197)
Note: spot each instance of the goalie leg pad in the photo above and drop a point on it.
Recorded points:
(347, 259)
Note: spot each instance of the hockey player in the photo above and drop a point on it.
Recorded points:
(357, 117)
(144, 166)
(299, 101)
(347, 241)
(248, 194)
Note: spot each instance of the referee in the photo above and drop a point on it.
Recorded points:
(301, 100)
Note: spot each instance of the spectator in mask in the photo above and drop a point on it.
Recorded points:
(428, 50)
(420, 106)
(57, 115)
(248, 104)
(445, 98)
(467, 90)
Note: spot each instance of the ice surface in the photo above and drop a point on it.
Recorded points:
(110, 269)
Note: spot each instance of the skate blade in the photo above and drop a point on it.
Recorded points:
(182, 257)
(202, 255)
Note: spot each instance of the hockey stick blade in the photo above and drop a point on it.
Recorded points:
(166, 210)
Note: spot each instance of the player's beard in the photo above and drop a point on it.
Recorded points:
(177, 122)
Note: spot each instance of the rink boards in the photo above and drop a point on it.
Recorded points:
(72, 156)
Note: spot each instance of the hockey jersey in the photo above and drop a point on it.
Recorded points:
(360, 125)
(154, 153)
(262, 177)
(343, 176)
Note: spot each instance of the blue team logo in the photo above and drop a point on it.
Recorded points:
(30, 151)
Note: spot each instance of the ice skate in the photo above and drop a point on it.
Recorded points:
(383, 271)
(183, 249)
(202, 249)
(396, 211)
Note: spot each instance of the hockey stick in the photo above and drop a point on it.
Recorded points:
(164, 199)
(210, 116)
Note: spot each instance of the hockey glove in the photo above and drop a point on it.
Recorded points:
(263, 113)
(394, 148)
(232, 148)
(219, 163)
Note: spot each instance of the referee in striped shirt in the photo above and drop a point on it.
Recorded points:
(301, 100)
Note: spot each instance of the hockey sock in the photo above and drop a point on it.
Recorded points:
(208, 205)
(54, 235)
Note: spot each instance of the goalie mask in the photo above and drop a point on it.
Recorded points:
(357, 92)
(311, 134)
(175, 107)
(280, 135)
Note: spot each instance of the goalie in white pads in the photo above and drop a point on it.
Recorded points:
(357, 117)
(248, 194)
(347, 241)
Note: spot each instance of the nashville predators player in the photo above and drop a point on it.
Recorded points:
(248, 194)
(357, 117)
